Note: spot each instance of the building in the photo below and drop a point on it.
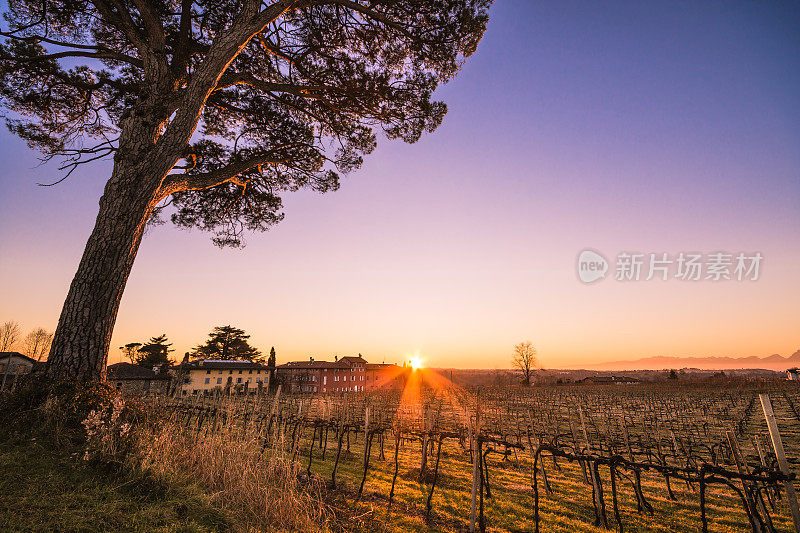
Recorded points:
(11, 364)
(205, 376)
(793, 374)
(135, 379)
(346, 374)
(619, 380)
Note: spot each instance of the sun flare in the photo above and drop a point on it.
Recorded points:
(416, 362)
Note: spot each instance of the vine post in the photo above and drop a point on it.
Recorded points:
(777, 445)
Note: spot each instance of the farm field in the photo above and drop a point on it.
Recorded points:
(668, 446)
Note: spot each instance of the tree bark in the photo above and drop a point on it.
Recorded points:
(80, 346)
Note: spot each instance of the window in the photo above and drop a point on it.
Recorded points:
(208, 371)
(362, 378)
(230, 371)
(208, 380)
(258, 372)
(238, 380)
(220, 371)
(240, 371)
(249, 371)
(219, 381)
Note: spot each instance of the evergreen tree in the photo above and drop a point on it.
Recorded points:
(227, 343)
(271, 364)
(155, 352)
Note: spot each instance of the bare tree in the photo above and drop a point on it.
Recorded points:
(37, 343)
(524, 359)
(215, 108)
(9, 335)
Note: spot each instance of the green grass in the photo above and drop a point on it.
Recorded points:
(44, 487)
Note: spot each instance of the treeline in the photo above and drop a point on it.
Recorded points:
(35, 344)
(223, 343)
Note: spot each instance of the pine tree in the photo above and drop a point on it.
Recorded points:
(216, 109)
(227, 343)
(155, 352)
(271, 364)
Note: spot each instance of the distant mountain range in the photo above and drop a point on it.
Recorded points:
(771, 362)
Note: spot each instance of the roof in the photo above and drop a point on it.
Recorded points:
(342, 362)
(379, 366)
(219, 364)
(313, 364)
(5, 355)
(121, 371)
(353, 359)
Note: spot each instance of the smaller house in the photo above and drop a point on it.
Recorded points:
(793, 374)
(11, 364)
(135, 379)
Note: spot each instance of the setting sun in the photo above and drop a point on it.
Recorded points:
(416, 362)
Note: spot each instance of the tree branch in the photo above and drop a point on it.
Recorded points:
(119, 18)
(104, 54)
(195, 182)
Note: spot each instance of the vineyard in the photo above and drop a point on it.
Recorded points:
(439, 457)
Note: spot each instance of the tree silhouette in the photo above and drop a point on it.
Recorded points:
(271, 364)
(524, 359)
(155, 352)
(214, 108)
(130, 351)
(37, 343)
(9, 335)
(227, 342)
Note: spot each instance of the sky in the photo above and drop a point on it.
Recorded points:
(620, 127)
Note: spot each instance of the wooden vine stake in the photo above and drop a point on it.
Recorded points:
(777, 445)
(476, 457)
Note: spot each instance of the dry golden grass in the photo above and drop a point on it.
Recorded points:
(259, 491)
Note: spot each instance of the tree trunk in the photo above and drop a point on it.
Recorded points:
(80, 346)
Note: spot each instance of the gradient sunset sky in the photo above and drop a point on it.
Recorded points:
(639, 126)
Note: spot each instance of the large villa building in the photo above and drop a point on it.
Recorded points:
(205, 375)
(345, 374)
